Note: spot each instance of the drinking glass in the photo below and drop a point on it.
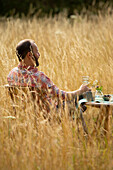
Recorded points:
(85, 80)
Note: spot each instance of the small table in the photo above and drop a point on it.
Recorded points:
(107, 106)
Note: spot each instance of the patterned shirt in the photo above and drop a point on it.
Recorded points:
(30, 76)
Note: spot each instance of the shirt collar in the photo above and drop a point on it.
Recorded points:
(20, 66)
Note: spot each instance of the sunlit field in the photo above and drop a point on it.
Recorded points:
(70, 49)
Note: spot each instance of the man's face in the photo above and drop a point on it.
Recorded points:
(36, 53)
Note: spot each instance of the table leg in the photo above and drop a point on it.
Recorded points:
(106, 122)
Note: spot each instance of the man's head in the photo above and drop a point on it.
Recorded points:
(27, 51)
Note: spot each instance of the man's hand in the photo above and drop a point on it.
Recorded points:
(84, 88)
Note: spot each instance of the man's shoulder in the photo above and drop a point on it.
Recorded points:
(15, 69)
(39, 73)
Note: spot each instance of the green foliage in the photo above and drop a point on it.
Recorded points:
(99, 88)
(20, 7)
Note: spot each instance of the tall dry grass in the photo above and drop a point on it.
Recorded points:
(69, 50)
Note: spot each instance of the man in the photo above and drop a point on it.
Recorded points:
(27, 74)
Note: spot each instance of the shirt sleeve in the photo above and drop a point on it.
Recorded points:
(54, 90)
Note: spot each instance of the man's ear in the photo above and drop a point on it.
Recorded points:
(29, 54)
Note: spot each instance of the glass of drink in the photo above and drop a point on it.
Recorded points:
(85, 80)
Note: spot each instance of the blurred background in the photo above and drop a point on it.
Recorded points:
(47, 7)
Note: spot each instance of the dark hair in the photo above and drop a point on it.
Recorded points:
(23, 48)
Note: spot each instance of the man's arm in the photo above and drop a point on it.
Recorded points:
(81, 90)
(56, 92)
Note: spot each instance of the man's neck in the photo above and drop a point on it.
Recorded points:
(22, 63)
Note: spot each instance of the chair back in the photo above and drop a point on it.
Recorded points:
(23, 96)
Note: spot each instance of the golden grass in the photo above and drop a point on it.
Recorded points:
(69, 50)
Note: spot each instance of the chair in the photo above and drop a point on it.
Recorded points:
(23, 96)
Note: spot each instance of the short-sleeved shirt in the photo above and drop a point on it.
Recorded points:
(30, 76)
